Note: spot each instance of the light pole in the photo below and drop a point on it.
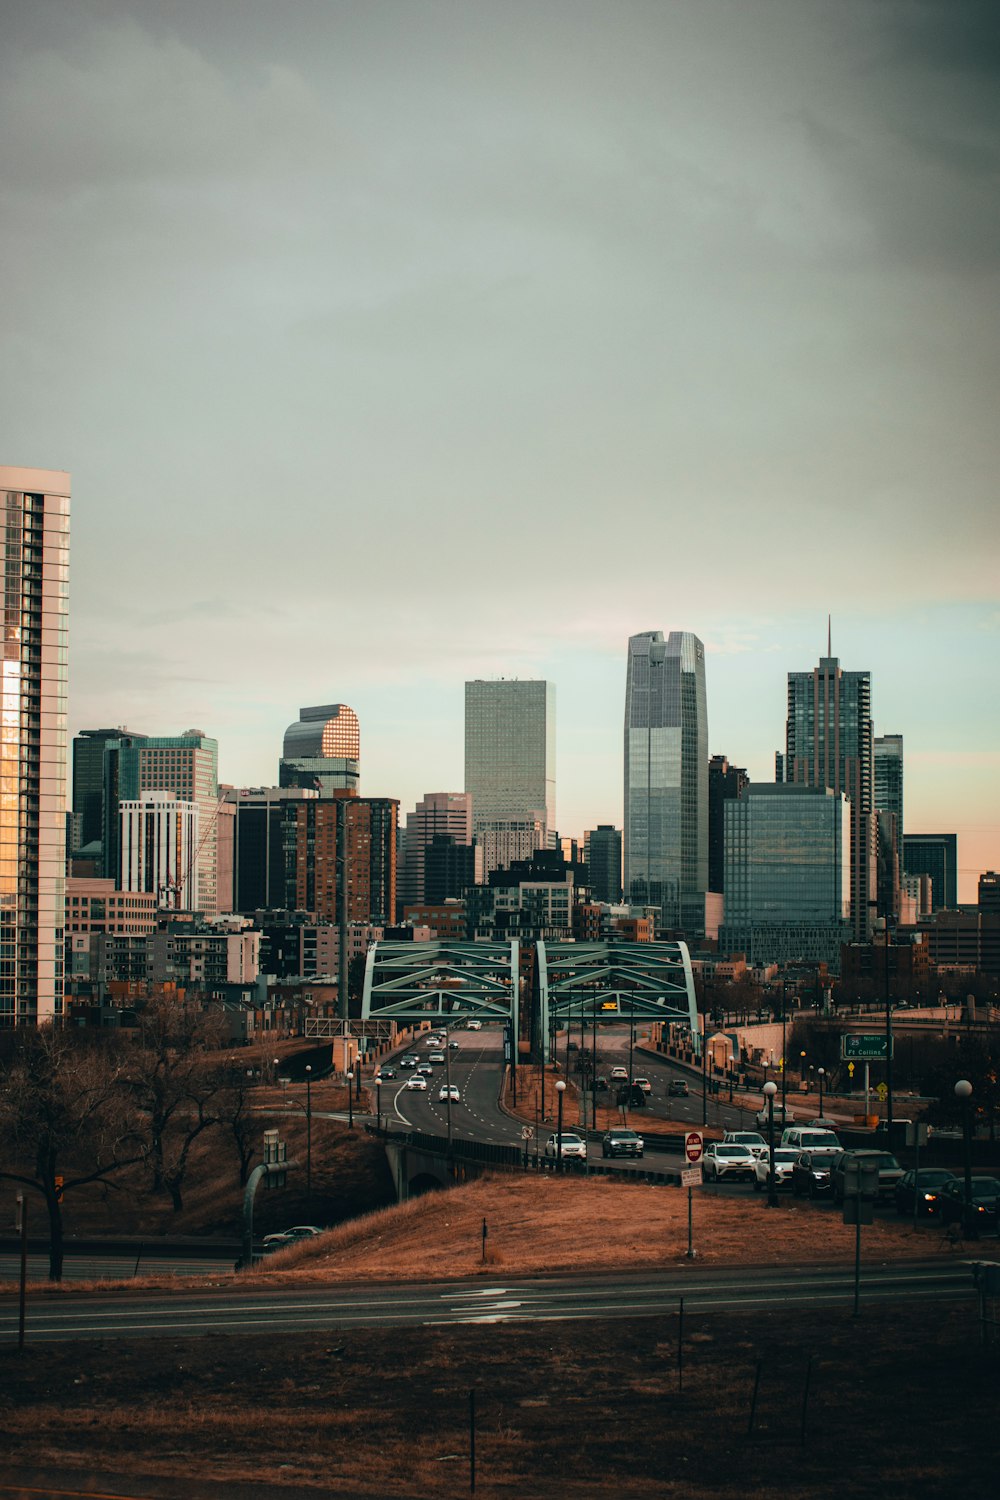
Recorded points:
(274, 1075)
(821, 1074)
(802, 1069)
(560, 1090)
(770, 1089)
(963, 1093)
(784, 1056)
(309, 1137)
(378, 1098)
(888, 1036)
(350, 1101)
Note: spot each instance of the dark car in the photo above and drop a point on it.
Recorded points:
(889, 1171)
(985, 1195)
(926, 1187)
(677, 1088)
(618, 1142)
(386, 1074)
(811, 1172)
(631, 1096)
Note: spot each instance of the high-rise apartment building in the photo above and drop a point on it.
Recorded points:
(510, 767)
(666, 777)
(33, 744)
(829, 743)
(936, 855)
(185, 764)
(370, 840)
(889, 812)
(888, 761)
(322, 750)
(788, 874)
(158, 843)
(437, 813)
(603, 858)
(724, 783)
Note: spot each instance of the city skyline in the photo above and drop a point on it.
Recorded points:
(692, 321)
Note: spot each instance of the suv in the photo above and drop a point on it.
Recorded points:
(811, 1172)
(889, 1172)
(677, 1088)
(755, 1144)
(573, 1145)
(809, 1138)
(618, 1142)
(782, 1115)
(721, 1161)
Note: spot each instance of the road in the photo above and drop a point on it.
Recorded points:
(434, 1304)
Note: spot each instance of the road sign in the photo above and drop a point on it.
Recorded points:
(868, 1046)
(527, 1131)
(609, 1004)
(693, 1146)
(850, 1069)
(883, 1091)
(691, 1176)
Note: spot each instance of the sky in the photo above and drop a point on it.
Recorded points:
(394, 344)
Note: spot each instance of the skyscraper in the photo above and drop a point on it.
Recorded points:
(158, 842)
(322, 750)
(604, 862)
(787, 875)
(936, 855)
(437, 813)
(510, 767)
(724, 783)
(35, 543)
(88, 781)
(829, 743)
(186, 764)
(666, 777)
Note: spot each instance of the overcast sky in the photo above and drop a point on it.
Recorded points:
(391, 344)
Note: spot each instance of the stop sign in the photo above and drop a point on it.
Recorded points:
(693, 1146)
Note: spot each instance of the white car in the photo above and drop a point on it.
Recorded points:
(436, 1057)
(642, 1083)
(721, 1161)
(784, 1161)
(573, 1145)
(754, 1143)
(619, 1074)
(418, 1081)
(782, 1116)
(474, 1025)
(449, 1091)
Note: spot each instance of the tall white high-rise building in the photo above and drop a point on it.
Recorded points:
(510, 766)
(666, 777)
(35, 553)
(158, 845)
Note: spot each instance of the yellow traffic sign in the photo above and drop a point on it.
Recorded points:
(883, 1091)
(850, 1069)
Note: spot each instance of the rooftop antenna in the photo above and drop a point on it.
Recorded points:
(829, 633)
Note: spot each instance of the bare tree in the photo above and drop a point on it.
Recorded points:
(66, 1120)
(176, 1085)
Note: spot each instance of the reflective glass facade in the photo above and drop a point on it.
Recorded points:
(510, 757)
(35, 560)
(322, 750)
(787, 874)
(666, 774)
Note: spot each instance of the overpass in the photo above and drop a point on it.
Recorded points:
(612, 982)
(441, 982)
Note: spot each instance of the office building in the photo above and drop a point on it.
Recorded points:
(936, 855)
(186, 765)
(510, 767)
(264, 844)
(88, 784)
(449, 870)
(888, 762)
(787, 874)
(322, 750)
(33, 744)
(989, 922)
(666, 778)
(447, 814)
(603, 858)
(724, 783)
(829, 743)
(158, 844)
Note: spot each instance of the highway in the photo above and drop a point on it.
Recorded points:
(433, 1304)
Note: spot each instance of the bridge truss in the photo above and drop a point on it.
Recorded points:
(441, 981)
(612, 982)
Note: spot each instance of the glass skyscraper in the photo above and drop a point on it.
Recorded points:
(829, 743)
(510, 767)
(666, 777)
(35, 559)
(787, 874)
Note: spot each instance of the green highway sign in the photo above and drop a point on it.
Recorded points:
(865, 1047)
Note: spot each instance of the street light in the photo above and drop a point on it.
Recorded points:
(309, 1138)
(560, 1090)
(802, 1068)
(378, 1098)
(963, 1093)
(821, 1074)
(274, 1076)
(770, 1089)
(350, 1101)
